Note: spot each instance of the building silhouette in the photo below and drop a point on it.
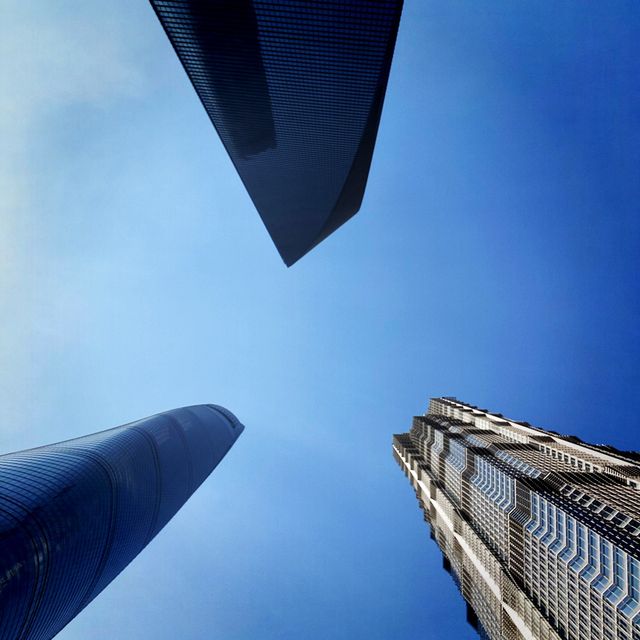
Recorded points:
(295, 91)
(73, 515)
(539, 531)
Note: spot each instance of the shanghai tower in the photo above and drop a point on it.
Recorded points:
(74, 514)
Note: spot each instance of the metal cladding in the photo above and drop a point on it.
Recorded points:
(540, 532)
(73, 515)
(295, 90)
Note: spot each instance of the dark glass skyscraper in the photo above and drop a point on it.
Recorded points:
(540, 531)
(295, 91)
(73, 515)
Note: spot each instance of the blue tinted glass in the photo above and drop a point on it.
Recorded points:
(295, 91)
(74, 514)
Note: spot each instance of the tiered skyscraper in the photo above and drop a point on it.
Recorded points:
(73, 515)
(539, 531)
(295, 91)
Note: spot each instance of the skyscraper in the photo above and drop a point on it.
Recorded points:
(295, 91)
(73, 515)
(539, 531)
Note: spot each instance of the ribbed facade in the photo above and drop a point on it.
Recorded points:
(540, 531)
(74, 514)
(295, 91)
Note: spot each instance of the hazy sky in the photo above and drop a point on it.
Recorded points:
(495, 258)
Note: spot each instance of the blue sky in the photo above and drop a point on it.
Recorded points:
(495, 258)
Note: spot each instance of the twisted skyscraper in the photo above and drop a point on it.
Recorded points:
(541, 532)
(73, 515)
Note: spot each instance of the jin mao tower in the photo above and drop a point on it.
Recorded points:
(540, 531)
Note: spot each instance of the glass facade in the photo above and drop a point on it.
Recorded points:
(74, 514)
(540, 531)
(295, 91)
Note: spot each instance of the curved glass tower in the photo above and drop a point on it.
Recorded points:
(74, 514)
